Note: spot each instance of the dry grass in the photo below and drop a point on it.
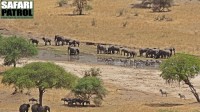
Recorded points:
(141, 31)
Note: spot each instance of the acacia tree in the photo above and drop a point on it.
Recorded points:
(40, 75)
(181, 67)
(13, 48)
(13, 77)
(91, 86)
(80, 6)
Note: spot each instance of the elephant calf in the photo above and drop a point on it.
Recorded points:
(24, 108)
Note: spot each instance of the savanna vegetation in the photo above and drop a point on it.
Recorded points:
(181, 67)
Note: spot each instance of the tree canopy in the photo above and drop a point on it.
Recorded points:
(181, 67)
(41, 75)
(13, 48)
(90, 86)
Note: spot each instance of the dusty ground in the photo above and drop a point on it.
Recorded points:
(141, 31)
(130, 90)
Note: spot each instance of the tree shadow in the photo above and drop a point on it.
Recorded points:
(163, 104)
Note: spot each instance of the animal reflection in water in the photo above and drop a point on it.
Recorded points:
(130, 63)
(73, 53)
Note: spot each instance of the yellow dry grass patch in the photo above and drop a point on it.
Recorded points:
(141, 31)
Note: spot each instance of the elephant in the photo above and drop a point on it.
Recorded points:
(43, 109)
(112, 49)
(163, 54)
(46, 40)
(101, 49)
(66, 40)
(34, 108)
(34, 41)
(59, 39)
(152, 53)
(133, 53)
(74, 43)
(171, 49)
(73, 51)
(128, 52)
(38, 108)
(125, 51)
(143, 50)
(24, 108)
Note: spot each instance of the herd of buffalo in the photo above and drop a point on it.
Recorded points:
(73, 48)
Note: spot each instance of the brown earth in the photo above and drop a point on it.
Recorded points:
(141, 31)
(130, 90)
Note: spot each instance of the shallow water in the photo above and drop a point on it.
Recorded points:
(91, 59)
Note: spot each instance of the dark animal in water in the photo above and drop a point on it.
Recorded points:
(73, 43)
(73, 51)
(101, 49)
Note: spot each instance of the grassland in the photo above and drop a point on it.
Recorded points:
(141, 31)
(183, 33)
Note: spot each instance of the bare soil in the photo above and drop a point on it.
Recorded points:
(130, 90)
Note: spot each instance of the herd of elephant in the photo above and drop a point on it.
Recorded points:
(34, 108)
(60, 40)
(73, 48)
(149, 52)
